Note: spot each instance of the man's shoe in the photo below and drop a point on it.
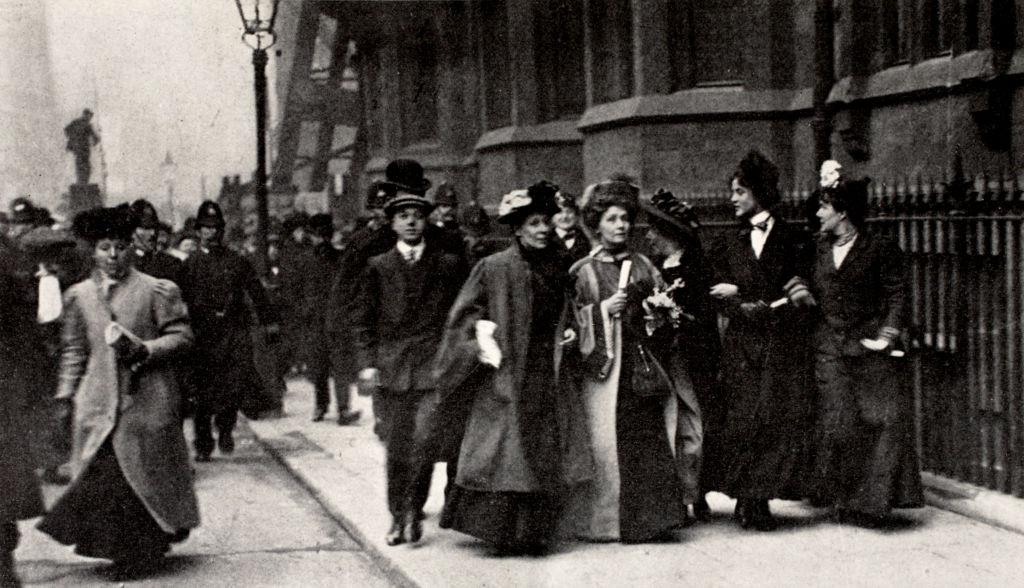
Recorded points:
(318, 414)
(414, 526)
(226, 443)
(396, 536)
(349, 417)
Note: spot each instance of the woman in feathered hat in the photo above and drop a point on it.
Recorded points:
(636, 494)
(865, 458)
(524, 443)
(690, 340)
(754, 456)
(132, 494)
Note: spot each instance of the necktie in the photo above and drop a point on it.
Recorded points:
(761, 226)
(410, 256)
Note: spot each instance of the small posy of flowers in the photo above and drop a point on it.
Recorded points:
(661, 303)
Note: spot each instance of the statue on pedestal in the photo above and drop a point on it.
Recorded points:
(81, 139)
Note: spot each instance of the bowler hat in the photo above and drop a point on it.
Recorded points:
(406, 175)
(210, 215)
(146, 214)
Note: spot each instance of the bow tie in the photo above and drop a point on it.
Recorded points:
(761, 226)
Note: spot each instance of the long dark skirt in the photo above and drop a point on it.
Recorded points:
(506, 519)
(865, 459)
(103, 518)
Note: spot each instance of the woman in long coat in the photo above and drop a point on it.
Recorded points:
(865, 458)
(132, 492)
(767, 392)
(524, 445)
(689, 343)
(19, 497)
(636, 494)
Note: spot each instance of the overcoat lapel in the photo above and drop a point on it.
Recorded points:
(396, 266)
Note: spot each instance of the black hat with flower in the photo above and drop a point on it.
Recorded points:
(845, 194)
(517, 205)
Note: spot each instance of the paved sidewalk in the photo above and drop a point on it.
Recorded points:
(343, 467)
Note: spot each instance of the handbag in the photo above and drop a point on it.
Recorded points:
(649, 378)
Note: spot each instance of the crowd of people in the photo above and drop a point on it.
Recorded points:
(579, 379)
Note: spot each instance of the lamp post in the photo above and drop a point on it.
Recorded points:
(258, 23)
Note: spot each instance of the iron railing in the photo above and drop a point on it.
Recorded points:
(964, 240)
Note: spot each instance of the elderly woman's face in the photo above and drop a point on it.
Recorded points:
(613, 228)
(111, 256)
(535, 232)
(743, 201)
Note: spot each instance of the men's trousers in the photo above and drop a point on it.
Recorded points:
(203, 421)
(404, 416)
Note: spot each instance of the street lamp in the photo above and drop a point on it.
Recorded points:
(258, 18)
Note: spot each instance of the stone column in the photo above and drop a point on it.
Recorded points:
(651, 62)
(524, 74)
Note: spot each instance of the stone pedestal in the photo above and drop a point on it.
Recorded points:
(83, 197)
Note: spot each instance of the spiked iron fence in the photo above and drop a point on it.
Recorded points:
(964, 239)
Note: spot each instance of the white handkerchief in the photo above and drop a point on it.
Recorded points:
(50, 305)
(490, 353)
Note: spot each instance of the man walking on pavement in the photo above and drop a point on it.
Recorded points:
(401, 309)
(295, 259)
(322, 357)
(214, 283)
(146, 256)
(374, 238)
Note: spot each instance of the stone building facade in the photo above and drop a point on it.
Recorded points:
(494, 94)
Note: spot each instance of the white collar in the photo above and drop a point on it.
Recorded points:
(404, 248)
(760, 217)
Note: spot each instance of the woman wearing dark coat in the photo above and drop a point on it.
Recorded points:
(523, 446)
(629, 402)
(19, 497)
(766, 386)
(865, 461)
(689, 344)
(132, 494)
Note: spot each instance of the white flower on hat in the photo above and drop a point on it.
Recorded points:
(830, 173)
(513, 200)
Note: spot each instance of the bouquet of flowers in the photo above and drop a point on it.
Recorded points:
(660, 306)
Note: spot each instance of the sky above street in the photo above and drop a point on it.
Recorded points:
(161, 76)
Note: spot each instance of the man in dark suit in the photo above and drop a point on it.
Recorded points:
(401, 309)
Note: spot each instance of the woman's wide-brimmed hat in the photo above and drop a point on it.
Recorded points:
(97, 224)
(672, 216)
(517, 205)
